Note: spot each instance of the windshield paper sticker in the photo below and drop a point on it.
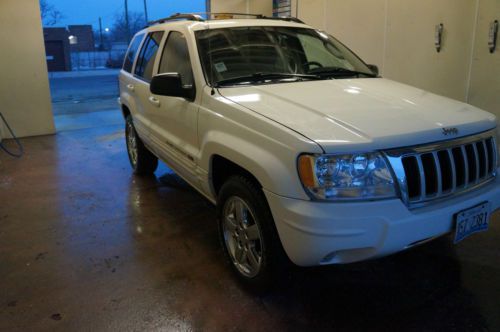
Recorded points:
(220, 67)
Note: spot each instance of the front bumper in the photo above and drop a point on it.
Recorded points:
(315, 233)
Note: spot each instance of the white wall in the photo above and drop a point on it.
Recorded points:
(410, 55)
(484, 88)
(228, 6)
(242, 6)
(24, 86)
(264, 7)
(358, 23)
(398, 36)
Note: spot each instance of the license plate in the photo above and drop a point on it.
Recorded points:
(473, 220)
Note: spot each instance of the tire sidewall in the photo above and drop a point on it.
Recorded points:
(129, 125)
(146, 162)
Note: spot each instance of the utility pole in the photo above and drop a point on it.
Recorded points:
(146, 11)
(126, 21)
(101, 45)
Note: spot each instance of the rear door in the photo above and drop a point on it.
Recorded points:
(138, 84)
(143, 72)
(128, 83)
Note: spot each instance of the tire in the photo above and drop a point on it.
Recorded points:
(249, 237)
(143, 162)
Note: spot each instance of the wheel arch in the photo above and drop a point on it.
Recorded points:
(222, 168)
(229, 155)
(125, 111)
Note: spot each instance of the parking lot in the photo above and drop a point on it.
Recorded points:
(75, 95)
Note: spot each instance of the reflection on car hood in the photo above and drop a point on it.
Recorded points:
(361, 114)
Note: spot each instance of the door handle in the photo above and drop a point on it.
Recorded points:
(130, 87)
(154, 101)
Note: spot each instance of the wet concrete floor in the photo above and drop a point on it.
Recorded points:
(85, 245)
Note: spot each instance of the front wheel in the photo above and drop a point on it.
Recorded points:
(143, 162)
(248, 234)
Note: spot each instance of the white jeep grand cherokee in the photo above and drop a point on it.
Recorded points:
(309, 155)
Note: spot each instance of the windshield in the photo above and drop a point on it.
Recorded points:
(253, 55)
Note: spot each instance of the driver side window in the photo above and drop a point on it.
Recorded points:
(175, 58)
(321, 52)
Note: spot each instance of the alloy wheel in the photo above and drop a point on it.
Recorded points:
(132, 144)
(242, 237)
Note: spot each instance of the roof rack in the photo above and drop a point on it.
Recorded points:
(284, 18)
(198, 17)
(257, 16)
(178, 16)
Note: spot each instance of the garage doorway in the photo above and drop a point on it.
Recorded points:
(85, 43)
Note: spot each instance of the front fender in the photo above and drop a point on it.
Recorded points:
(273, 174)
(259, 145)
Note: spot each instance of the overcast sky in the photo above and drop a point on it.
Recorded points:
(88, 11)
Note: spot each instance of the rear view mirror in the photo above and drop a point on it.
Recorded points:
(170, 84)
(373, 68)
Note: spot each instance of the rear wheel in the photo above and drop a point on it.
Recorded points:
(143, 162)
(248, 234)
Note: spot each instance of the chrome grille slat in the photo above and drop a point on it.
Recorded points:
(453, 170)
(476, 161)
(495, 155)
(438, 174)
(434, 171)
(466, 167)
(487, 159)
(422, 176)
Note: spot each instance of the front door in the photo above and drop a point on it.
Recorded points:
(174, 119)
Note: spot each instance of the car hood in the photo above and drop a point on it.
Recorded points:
(361, 114)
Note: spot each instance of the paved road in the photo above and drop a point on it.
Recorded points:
(83, 94)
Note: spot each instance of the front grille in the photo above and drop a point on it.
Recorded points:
(434, 171)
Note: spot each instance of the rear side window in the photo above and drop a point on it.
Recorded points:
(132, 51)
(145, 62)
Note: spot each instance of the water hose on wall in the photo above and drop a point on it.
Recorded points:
(20, 151)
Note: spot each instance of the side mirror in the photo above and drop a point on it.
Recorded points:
(170, 84)
(373, 68)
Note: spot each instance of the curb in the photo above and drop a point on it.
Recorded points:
(84, 73)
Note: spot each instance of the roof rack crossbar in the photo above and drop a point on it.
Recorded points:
(237, 14)
(178, 16)
(284, 18)
(198, 17)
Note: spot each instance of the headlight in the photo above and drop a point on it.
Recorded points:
(346, 177)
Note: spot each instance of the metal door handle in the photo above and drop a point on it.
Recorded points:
(130, 87)
(154, 101)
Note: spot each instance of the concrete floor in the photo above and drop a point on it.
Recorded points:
(85, 245)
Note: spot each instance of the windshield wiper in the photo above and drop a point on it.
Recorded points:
(339, 71)
(260, 77)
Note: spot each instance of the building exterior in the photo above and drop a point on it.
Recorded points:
(85, 38)
(57, 49)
